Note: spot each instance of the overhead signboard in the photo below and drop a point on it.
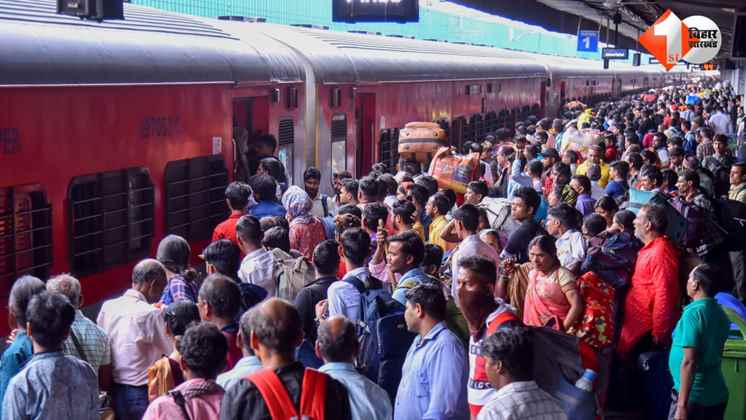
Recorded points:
(588, 41)
(653, 60)
(375, 11)
(615, 53)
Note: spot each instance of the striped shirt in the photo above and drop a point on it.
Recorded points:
(93, 341)
(479, 389)
(524, 401)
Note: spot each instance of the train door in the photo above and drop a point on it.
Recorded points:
(543, 99)
(365, 116)
(250, 119)
(562, 93)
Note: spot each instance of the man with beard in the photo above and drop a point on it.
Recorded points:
(485, 315)
(651, 306)
(323, 206)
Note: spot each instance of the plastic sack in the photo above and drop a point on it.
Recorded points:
(455, 171)
(580, 140)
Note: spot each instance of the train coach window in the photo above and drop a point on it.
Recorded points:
(490, 121)
(458, 134)
(286, 141)
(477, 127)
(25, 234)
(502, 119)
(389, 147)
(335, 97)
(339, 143)
(111, 218)
(292, 97)
(473, 90)
(195, 196)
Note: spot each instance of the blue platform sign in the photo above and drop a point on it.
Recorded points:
(588, 41)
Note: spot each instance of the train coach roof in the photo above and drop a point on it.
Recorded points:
(41, 47)
(340, 57)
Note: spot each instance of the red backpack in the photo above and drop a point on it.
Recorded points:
(281, 407)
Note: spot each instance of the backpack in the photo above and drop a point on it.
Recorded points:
(279, 404)
(291, 274)
(325, 204)
(382, 334)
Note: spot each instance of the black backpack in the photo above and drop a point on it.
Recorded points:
(382, 334)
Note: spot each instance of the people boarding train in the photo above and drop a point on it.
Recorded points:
(409, 296)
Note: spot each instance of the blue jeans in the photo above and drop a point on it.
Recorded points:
(129, 402)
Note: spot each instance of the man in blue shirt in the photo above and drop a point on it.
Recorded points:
(338, 346)
(434, 375)
(19, 352)
(52, 385)
(265, 193)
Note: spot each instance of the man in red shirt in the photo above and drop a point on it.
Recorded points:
(485, 315)
(237, 195)
(652, 304)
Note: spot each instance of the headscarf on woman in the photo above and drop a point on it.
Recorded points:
(305, 230)
(298, 205)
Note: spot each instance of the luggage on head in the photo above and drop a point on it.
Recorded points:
(420, 140)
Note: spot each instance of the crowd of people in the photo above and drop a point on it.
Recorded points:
(397, 298)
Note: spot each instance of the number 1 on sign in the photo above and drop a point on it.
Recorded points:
(587, 42)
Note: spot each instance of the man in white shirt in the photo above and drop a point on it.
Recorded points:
(257, 266)
(137, 333)
(720, 121)
(343, 297)
(571, 246)
(466, 223)
(509, 367)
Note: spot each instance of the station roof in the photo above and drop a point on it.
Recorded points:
(637, 15)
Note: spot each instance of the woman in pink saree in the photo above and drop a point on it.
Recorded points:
(552, 297)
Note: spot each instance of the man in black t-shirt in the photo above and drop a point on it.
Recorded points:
(522, 209)
(326, 262)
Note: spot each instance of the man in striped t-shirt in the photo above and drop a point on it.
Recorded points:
(485, 315)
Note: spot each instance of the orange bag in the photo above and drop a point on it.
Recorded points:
(420, 140)
(455, 171)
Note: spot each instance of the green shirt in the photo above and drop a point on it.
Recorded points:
(705, 327)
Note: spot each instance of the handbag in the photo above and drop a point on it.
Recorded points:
(105, 411)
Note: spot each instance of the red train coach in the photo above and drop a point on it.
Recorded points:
(114, 134)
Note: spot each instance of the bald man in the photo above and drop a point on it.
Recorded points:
(137, 335)
(337, 346)
(275, 333)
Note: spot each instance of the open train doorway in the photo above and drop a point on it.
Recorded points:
(365, 115)
(250, 120)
